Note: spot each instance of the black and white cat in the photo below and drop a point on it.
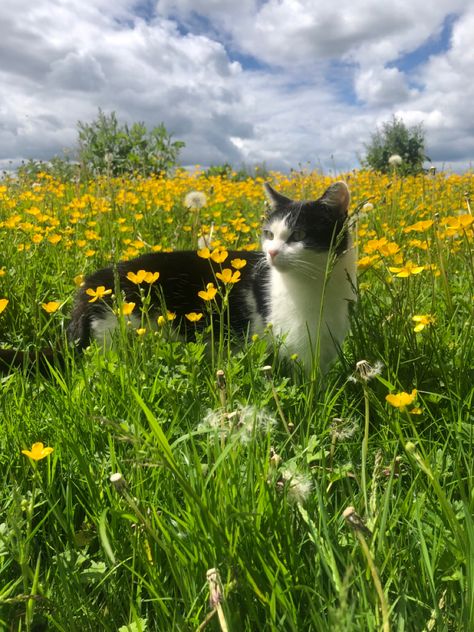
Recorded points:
(302, 283)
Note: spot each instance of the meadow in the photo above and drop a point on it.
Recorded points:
(182, 487)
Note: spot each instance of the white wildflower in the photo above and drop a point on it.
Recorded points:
(195, 200)
(395, 160)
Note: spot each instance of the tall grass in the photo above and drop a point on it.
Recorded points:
(162, 470)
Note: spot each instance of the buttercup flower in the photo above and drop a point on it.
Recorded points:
(127, 308)
(193, 317)
(238, 264)
(98, 293)
(204, 253)
(401, 400)
(161, 320)
(209, 293)
(219, 255)
(422, 321)
(3, 304)
(407, 270)
(143, 276)
(51, 306)
(227, 276)
(38, 451)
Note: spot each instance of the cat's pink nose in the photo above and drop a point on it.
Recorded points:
(273, 253)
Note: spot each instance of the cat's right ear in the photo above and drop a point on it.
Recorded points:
(337, 197)
(275, 199)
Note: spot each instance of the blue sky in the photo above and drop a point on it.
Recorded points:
(280, 82)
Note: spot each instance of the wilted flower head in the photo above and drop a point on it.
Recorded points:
(365, 371)
(298, 485)
(395, 160)
(342, 428)
(216, 593)
(244, 421)
(195, 200)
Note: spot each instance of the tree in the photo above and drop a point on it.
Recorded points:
(105, 146)
(396, 139)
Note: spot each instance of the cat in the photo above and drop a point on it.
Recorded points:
(300, 285)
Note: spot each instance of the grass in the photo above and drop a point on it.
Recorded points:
(163, 470)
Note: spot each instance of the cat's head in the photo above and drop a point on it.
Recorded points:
(296, 232)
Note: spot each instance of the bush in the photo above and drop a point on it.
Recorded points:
(396, 139)
(107, 147)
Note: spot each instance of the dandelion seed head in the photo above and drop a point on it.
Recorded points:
(298, 485)
(365, 371)
(244, 422)
(342, 428)
(395, 160)
(195, 200)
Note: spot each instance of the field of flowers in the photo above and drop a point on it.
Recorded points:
(160, 486)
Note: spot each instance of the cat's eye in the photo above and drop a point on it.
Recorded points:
(297, 235)
(268, 234)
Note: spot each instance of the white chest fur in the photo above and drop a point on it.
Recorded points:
(309, 310)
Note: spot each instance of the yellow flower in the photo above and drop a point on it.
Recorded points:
(3, 304)
(401, 400)
(367, 261)
(2, 272)
(79, 280)
(98, 293)
(209, 293)
(51, 306)
(238, 264)
(408, 269)
(419, 227)
(38, 451)
(151, 277)
(162, 320)
(143, 276)
(127, 308)
(193, 316)
(204, 253)
(141, 331)
(227, 276)
(219, 255)
(422, 321)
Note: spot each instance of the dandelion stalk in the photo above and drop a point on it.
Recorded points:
(360, 530)
(365, 447)
(268, 374)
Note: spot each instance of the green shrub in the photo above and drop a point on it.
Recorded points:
(394, 140)
(108, 147)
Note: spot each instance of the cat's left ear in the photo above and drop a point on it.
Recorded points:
(337, 197)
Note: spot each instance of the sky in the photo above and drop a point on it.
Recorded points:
(288, 83)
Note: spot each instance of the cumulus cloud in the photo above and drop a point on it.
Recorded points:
(278, 81)
(381, 86)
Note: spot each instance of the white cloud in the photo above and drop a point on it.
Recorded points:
(278, 81)
(381, 86)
